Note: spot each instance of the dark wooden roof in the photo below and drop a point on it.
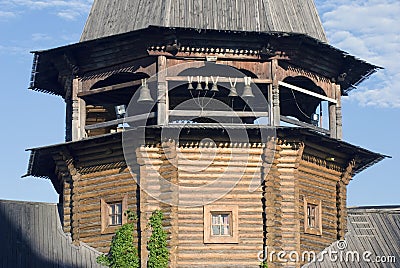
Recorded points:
(31, 235)
(42, 165)
(373, 229)
(85, 58)
(110, 17)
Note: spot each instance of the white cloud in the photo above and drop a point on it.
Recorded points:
(369, 29)
(7, 14)
(40, 37)
(65, 9)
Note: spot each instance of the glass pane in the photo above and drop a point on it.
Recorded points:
(118, 208)
(225, 219)
(216, 230)
(215, 219)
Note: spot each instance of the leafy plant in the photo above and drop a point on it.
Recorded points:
(157, 244)
(122, 252)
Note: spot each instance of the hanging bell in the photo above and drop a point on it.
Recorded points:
(199, 80)
(247, 92)
(144, 93)
(214, 87)
(199, 87)
(190, 82)
(233, 92)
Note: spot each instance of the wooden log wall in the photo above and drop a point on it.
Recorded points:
(319, 182)
(213, 163)
(94, 172)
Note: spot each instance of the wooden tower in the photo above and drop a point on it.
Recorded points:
(168, 53)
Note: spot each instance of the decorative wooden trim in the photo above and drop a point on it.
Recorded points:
(321, 162)
(232, 210)
(104, 202)
(308, 229)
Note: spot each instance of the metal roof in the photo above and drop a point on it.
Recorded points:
(32, 236)
(111, 17)
(370, 229)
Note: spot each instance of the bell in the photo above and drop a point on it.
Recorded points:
(247, 92)
(190, 81)
(214, 88)
(233, 92)
(199, 80)
(144, 93)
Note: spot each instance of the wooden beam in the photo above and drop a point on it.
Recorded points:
(220, 80)
(121, 121)
(109, 88)
(162, 92)
(332, 114)
(276, 108)
(198, 113)
(303, 124)
(308, 92)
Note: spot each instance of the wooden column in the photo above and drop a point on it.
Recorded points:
(78, 112)
(339, 124)
(341, 199)
(162, 93)
(75, 196)
(332, 114)
(276, 115)
(169, 196)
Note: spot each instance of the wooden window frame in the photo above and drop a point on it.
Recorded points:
(317, 229)
(106, 228)
(232, 211)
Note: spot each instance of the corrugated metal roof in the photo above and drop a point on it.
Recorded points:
(111, 17)
(370, 229)
(31, 236)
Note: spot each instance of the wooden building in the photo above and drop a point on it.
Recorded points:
(139, 63)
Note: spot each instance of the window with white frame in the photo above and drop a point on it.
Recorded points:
(221, 224)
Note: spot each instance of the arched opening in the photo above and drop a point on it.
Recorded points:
(216, 89)
(108, 97)
(299, 105)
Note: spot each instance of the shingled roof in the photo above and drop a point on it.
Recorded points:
(374, 231)
(111, 17)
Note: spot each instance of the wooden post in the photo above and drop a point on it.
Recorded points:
(162, 94)
(78, 112)
(276, 114)
(332, 114)
(339, 124)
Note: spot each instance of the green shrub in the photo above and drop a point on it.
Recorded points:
(122, 252)
(157, 244)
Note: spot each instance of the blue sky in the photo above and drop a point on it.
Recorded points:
(369, 29)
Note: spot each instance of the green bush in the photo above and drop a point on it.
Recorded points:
(157, 244)
(122, 252)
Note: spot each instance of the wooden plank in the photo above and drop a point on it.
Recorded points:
(220, 80)
(234, 114)
(308, 92)
(129, 119)
(303, 124)
(109, 88)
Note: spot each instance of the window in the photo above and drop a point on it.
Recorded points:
(221, 224)
(115, 214)
(112, 214)
(312, 216)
